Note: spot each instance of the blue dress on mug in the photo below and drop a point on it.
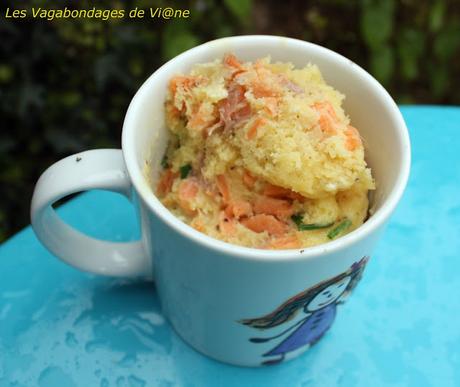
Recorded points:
(308, 332)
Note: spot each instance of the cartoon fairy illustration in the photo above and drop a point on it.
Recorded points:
(319, 303)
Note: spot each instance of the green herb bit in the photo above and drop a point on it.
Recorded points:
(314, 226)
(344, 225)
(185, 170)
(164, 162)
(298, 220)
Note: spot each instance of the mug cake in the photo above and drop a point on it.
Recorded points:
(262, 155)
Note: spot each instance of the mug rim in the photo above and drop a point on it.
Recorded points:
(146, 193)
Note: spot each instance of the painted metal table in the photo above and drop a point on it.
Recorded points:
(61, 327)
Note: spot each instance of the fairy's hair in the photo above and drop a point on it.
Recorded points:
(288, 309)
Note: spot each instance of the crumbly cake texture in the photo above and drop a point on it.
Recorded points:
(262, 155)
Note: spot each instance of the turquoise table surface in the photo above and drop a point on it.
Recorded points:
(61, 327)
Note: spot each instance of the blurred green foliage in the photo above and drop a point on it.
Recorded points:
(65, 84)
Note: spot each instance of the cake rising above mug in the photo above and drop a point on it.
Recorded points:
(262, 155)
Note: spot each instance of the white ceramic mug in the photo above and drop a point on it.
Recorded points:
(239, 305)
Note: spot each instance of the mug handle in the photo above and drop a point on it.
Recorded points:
(93, 169)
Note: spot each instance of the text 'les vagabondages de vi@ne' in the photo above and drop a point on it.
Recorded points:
(95, 13)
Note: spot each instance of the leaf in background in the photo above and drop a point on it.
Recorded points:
(439, 79)
(447, 42)
(216, 22)
(70, 99)
(436, 15)
(316, 20)
(241, 9)
(410, 48)
(136, 66)
(223, 30)
(177, 38)
(15, 172)
(377, 21)
(6, 73)
(382, 63)
(405, 99)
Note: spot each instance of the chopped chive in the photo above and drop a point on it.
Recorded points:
(298, 220)
(339, 229)
(164, 162)
(185, 170)
(314, 226)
